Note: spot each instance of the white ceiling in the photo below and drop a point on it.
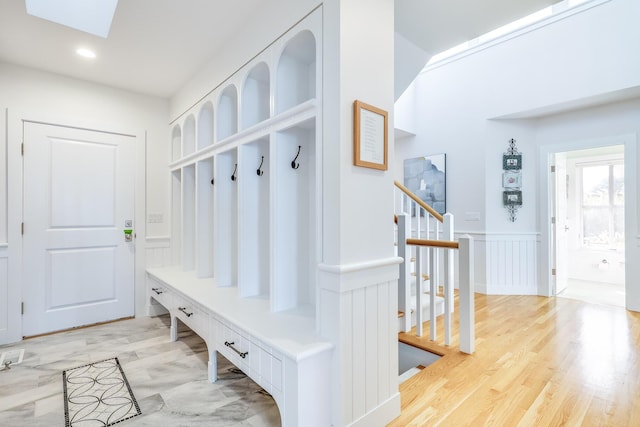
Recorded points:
(155, 46)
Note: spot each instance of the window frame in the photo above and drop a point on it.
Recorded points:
(610, 207)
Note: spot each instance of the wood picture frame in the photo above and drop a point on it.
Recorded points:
(370, 136)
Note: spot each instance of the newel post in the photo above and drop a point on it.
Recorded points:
(447, 230)
(467, 290)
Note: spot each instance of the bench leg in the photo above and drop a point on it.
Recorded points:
(213, 366)
(173, 332)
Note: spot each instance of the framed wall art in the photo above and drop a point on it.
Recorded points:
(426, 177)
(512, 180)
(512, 161)
(370, 136)
(512, 198)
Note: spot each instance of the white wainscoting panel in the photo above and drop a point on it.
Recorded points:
(506, 263)
(158, 251)
(4, 291)
(362, 321)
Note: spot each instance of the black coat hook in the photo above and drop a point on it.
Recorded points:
(259, 171)
(211, 181)
(233, 175)
(295, 165)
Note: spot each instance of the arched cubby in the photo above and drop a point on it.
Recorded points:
(189, 136)
(205, 126)
(296, 72)
(255, 96)
(176, 143)
(254, 219)
(227, 115)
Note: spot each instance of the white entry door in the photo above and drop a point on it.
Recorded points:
(78, 200)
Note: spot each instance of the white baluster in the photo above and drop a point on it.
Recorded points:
(432, 294)
(448, 278)
(404, 282)
(418, 291)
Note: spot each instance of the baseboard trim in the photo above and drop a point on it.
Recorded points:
(381, 415)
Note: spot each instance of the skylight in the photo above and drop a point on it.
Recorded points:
(506, 29)
(93, 17)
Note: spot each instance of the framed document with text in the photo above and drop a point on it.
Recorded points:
(370, 130)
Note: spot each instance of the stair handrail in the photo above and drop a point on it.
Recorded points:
(419, 201)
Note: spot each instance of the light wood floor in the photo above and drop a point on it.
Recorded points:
(538, 362)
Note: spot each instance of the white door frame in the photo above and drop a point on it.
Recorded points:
(15, 119)
(632, 245)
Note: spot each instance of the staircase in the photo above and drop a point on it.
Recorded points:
(410, 320)
(425, 240)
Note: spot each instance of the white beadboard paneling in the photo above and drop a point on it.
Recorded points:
(359, 353)
(375, 351)
(374, 361)
(372, 336)
(158, 251)
(506, 263)
(4, 291)
(367, 338)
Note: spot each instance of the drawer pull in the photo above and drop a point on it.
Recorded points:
(240, 353)
(157, 290)
(184, 310)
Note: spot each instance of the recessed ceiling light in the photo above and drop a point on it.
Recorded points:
(86, 53)
(93, 17)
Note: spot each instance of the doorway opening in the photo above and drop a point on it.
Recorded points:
(589, 225)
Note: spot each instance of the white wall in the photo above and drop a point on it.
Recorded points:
(470, 107)
(63, 99)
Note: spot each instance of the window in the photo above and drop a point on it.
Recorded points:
(602, 205)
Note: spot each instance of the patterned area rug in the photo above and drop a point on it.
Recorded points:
(97, 394)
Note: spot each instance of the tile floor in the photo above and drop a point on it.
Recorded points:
(594, 292)
(167, 378)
